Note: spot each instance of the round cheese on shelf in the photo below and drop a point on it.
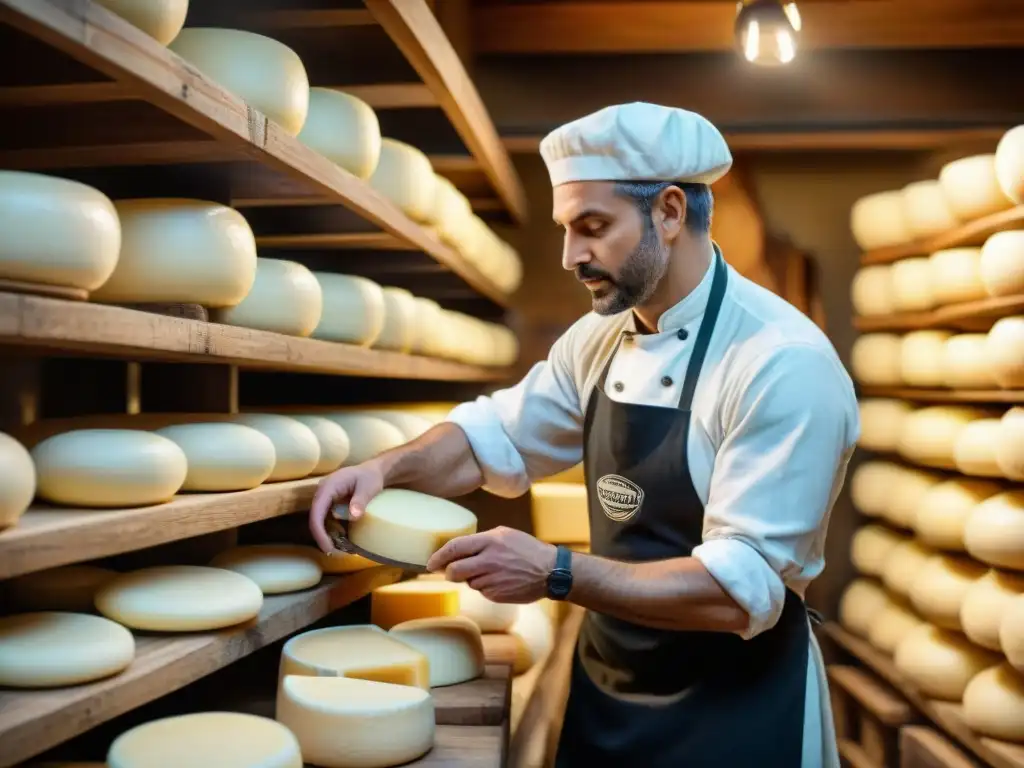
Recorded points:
(904, 563)
(922, 357)
(452, 644)
(1010, 444)
(411, 425)
(1010, 164)
(357, 651)
(975, 452)
(876, 359)
(891, 625)
(177, 250)
(869, 486)
(1004, 351)
(334, 443)
(909, 487)
(108, 468)
(451, 214)
(506, 345)
(180, 598)
(535, 632)
(956, 275)
(395, 604)
(994, 704)
(296, 448)
(353, 309)
(971, 187)
(368, 435)
(264, 73)
(965, 362)
(912, 285)
(400, 315)
(938, 591)
(344, 562)
(926, 209)
(53, 649)
(487, 614)
(1002, 263)
(994, 532)
(943, 511)
(860, 604)
(285, 298)
(160, 19)
(405, 177)
(68, 588)
(427, 326)
(985, 604)
(1011, 633)
(870, 546)
(56, 232)
(930, 434)
(222, 457)
(344, 129)
(871, 291)
(509, 275)
(356, 723)
(17, 480)
(879, 220)
(941, 663)
(222, 739)
(276, 568)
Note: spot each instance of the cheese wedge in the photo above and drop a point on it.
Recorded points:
(359, 651)
(452, 644)
(418, 599)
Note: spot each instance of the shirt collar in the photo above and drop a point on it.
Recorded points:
(690, 308)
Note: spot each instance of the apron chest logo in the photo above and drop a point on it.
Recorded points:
(619, 498)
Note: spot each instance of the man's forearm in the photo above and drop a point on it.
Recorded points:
(677, 594)
(439, 462)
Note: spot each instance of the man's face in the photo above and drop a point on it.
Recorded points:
(612, 247)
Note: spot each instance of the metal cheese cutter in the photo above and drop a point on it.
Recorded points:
(338, 531)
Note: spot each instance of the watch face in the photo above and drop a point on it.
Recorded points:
(559, 584)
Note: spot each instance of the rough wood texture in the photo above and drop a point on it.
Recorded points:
(465, 746)
(866, 691)
(969, 316)
(484, 701)
(853, 755)
(947, 395)
(922, 747)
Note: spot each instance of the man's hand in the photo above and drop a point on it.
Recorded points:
(505, 565)
(352, 485)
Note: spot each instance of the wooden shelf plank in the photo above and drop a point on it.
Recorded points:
(368, 240)
(390, 95)
(32, 722)
(500, 648)
(968, 315)
(484, 701)
(947, 395)
(55, 324)
(466, 746)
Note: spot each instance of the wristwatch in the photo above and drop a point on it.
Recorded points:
(560, 578)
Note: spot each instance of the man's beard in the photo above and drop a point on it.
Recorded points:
(639, 278)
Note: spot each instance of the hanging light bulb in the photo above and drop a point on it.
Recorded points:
(766, 31)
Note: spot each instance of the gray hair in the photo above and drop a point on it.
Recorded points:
(699, 200)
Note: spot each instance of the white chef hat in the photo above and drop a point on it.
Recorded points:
(636, 142)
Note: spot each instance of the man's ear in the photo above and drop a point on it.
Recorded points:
(669, 213)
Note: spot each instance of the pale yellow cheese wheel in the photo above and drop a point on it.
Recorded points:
(878, 220)
(264, 73)
(353, 309)
(985, 604)
(1011, 633)
(108, 468)
(930, 434)
(1010, 164)
(285, 298)
(17, 480)
(400, 315)
(1002, 263)
(296, 448)
(368, 435)
(179, 250)
(1004, 350)
(276, 568)
(405, 177)
(160, 19)
(943, 511)
(876, 359)
(344, 562)
(509, 275)
(344, 129)
(975, 451)
(956, 275)
(869, 546)
(994, 704)
(870, 484)
(222, 457)
(427, 326)
(56, 231)
(908, 489)
(411, 425)
(972, 188)
(68, 588)
(891, 625)
(941, 663)
(965, 362)
(994, 532)
(922, 357)
(860, 603)
(506, 345)
(871, 291)
(912, 285)
(1010, 444)
(939, 589)
(451, 214)
(902, 566)
(926, 209)
(334, 443)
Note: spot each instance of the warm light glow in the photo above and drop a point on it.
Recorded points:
(767, 31)
(787, 47)
(793, 14)
(752, 45)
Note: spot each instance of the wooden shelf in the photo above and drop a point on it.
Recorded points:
(946, 715)
(1008, 396)
(32, 722)
(973, 233)
(968, 316)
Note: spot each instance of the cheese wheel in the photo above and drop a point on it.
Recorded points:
(926, 209)
(285, 298)
(108, 468)
(264, 73)
(160, 19)
(922, 358)
(52, 649)
(956, 275)
(56, 231)
(276, 568)
(177, 250)
(972, 188)
(975, 452)
(344, 562)
(451, 213)
(912, 285)
(860, 604)
(908, 489)
(17, 480)
(994, 704)
(358, 651)
(409, 526)
(904, 563)
(395, 604)
(1010, 444)
(535, 633)
(965, 362)
(411, 425)
(1002, 263)
(930, 434)
(879, 220)
(891, 625)
(222, 739)
(944, 509)
(427, 326)
(296, 449)
(356, 723)
(344, 129)
(353, 309)
(1010, 164)
(560, 513)
(1011, 633)
(222, 457)
(870, 546)
(368, 435)
(334, 443)
(881, 423)
(68, 588)
(400, 314)
(870, 485)
(180, 598)
(405, 177)
(938, 591)
(985, 604)
(1004, 351)
(452, 644)
(487, 614)
(994, 532)
(941, 663)
(876, 359)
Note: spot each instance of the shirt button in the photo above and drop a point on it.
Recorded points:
(683, 334)
(618, 386)
(666, 381)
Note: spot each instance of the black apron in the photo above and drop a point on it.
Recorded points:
(732, 703)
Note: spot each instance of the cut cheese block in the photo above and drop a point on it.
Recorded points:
(411, 425)
(360, 651)
(222, 739)
(881, 423)
(222, 457)
(296, 449)
(860, 604)
(452, 644)
(956, 275)
(1010, 164)
(344, 562)
(535, 631)
(870, 546)
(922, 357)
(1011, 633)
(926, 209)
(1004, 350)
(334, 443)
(177, 250)
(484, 612)
(180, 598)
(108, 468)
(353, 309)
(405, 177)
(908, 488)
(941, 663)
(994, 532)
(68, 588)
(975, 451)
(879, 220)
(400, 315)
(344, 129)
(994, 704)
(368, 435)
(930, 434)
(904, 563)
(871, 291)
(17, 480)
(965, 362)
(972, 188)
(870, 484)
(939, 589)
(409, 526)
(912, 285)
(56, 231)
(285, 298)
(343, 723)
(1002, 263)
(943, 511)
(1010, 444)
(560, 513)
(264, 73)
(51, 649)
(394, 604)
(876, 359)
(891, 625)
(985, 604)
(276, 568)
(160, 19)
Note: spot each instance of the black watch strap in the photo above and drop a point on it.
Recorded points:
(560, 579)
(563, 558)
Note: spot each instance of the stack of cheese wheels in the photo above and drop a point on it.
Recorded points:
(881, 423)
(17, 480)
(891, 625)
(879, 220)
(938, 591)
(926, 209)
(222, 457)
(335, 445)
(560, 513)
(1010, 444)
(871, 545)
(368, 435)
(451, 214)
(930, 434)
(941, 662)
(908, 489)
(411, 425)
(944, 510)
(871, 291)
(510, 269)
(56, 232)
(1002, 263)
(956, 275)
(912, 285)
(427, 327)
(400, 315)
(344, 129)
(296, 447)
(67, 588)
(266, 74)
(905, 561)
(860, 603)
(965, 362)
(160, 19)
(921, 358)
(405, 177)
(994, 532)
(1010, 164)
(870, 486)
(876, 359)
(353, 309)
(1004, 351)
(275, 568)
(986, 602)
(1011, 633)
(972, 188)
(285, 298)
(993, 703)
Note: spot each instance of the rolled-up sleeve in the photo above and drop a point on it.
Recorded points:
(788, 436)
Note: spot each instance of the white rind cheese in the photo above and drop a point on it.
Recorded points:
(922, 358)
(452, 644)
(334, 443)
(1004, 350)
(1010, 164)
(361, 652)
(956, 275)
(222, 457)
(368, 435)
(912, 285)
(405, 177)
(344, 129)
(160, 19)
(965, 362)
(871, 291)
(400, 314)
(411, 425)
(1011, 633)
(485, 613)
(276, 568)
(985, 604)
(930, 434)
(1010, 444)
(876, 359)
(972, 188)
(296, 448)
(1002, 263)
(881, 423)
(878, 220)
(353, 309)
(975, 451)
(285, 298)
(17, 480)
(535, 632)
(926, 209)
(869, 486)
(994, 532)
(943, 512)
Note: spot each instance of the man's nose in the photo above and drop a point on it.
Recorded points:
(574, 253)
